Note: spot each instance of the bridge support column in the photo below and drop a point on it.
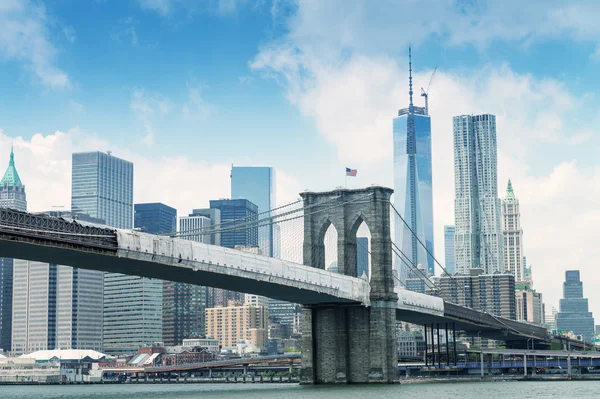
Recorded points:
(352, 344)
(525, 365)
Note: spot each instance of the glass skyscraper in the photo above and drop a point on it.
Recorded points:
(257, 184)
(155, 218)
(237, 212)
(478, 239)
(449, 249)
(413, 196)
(102, 187)
(574, 314)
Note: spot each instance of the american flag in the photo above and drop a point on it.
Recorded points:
(350, 172)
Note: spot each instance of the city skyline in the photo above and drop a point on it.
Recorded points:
(546, 145)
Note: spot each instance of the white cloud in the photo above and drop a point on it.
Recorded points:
(334, 65)
(126, 31)
(162, 7)
(69, 33)
(147, 107)
(24, 37)
(196, 107)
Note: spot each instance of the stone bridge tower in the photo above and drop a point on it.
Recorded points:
(350, 343)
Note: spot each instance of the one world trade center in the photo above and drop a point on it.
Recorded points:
(413, 189)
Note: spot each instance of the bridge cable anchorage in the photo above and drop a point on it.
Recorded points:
(175, 233)
(64, 233)
(269, 220)
(419, 240)
(414, 268)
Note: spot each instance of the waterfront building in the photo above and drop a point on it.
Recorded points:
(478, 240)
(413, 197)
(214, 223)
(574, 314)
(229, 324)
(449, 249)
(513, 234)
(493, 293)
(257, 184)
(12, 195)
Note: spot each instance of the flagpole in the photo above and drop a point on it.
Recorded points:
(346, 180)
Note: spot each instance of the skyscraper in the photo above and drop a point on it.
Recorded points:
(413, 184)
(362, 256)
(102, 187)
(574, 315)
(12, 195)
(513, 234)
(478, 239)
(257, 184)
(449, 249)
(184, 304)
(235, 216)
(34, 306)
(155, 218)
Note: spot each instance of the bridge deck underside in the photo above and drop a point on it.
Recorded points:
(276, 288)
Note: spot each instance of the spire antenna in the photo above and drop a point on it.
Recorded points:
(410, 90)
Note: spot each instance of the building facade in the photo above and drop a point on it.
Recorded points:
(478, 240)
(530, 306)
(214, 218)
(493, 293)
(155, 218)
(513, 234)
(236, 214)
(362, 256)
(12, 195)
(257, 184)
(413, 196)
(184, 304)
(449, 249)
(228, 324)
(574, 314)
(34, 306)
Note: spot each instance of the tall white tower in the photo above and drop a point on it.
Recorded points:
(477, 212)
(513, 234)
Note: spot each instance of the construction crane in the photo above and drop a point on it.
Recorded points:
(426, 93)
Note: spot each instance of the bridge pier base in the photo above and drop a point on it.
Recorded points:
(349, 344)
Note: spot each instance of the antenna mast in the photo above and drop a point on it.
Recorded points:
(410, 90)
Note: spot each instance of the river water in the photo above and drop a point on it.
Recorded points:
(495, 390)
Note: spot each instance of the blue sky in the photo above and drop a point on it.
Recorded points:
(185, 88)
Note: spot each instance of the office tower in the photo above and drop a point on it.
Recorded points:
(184, 304)
(158, 218)
(34, 306)
(478, 242)
(214, 217)
(102, 187)
(155, 218)
(449, 249)
(12, 195)
(257, 184)
(574, 315)
(529, 306)
(550, 318)
(228, 324)
(237, 216)
(493, 293)
(362, 256)
(513, 235)
(413, 197)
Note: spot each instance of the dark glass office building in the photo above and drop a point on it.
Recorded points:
(574, 315)
(362, 256)
(236, 218)
(155, 218)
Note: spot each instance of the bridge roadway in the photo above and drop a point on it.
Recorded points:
(74, 243)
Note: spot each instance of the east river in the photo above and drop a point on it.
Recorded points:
(513, 389)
